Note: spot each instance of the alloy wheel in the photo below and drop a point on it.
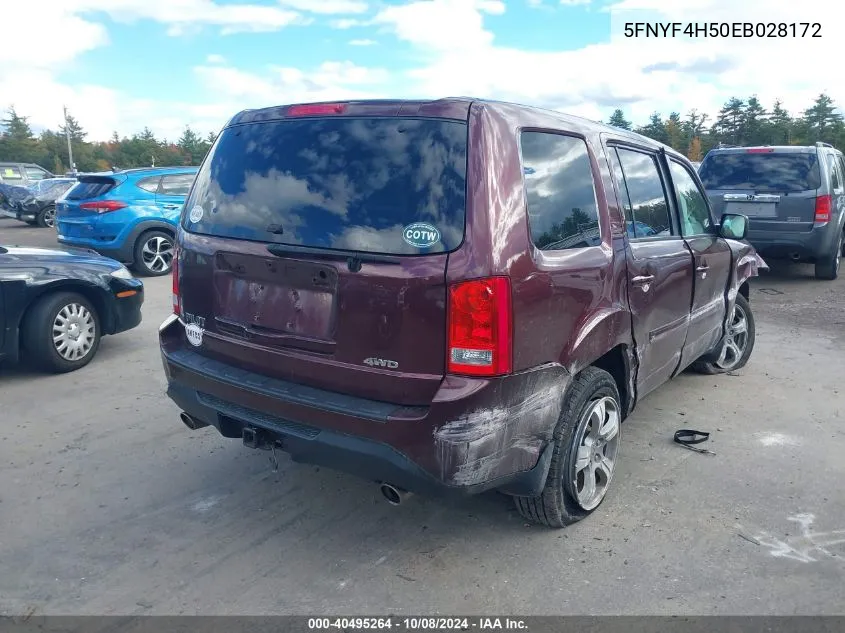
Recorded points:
(594, 453)
(736, 340)
(157, 254)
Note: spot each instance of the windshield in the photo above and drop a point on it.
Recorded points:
(761, 171)
(379, 185)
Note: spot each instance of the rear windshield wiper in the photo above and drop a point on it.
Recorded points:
(354, 259)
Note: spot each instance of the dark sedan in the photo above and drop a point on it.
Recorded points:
(36, 204)
(56, 304)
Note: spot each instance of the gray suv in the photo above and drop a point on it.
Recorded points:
(22, 174)
(793, 196)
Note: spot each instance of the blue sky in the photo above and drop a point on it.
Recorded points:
(123, 64)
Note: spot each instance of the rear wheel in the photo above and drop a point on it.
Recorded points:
(154, 253)
(828, 268)
(738, 343)
(586, 447)
(61, 332)
(47, 217)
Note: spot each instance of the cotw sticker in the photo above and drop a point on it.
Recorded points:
(421, 234)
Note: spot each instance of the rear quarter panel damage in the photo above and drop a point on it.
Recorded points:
(508, 435)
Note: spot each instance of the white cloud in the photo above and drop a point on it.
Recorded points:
(326, 6)
(346, 23)
(362, 42)
(215, 59)
(572, 3)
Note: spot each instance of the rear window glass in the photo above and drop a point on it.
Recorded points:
(380, 185)
(761, 172)
(90, 189)
(560, 192)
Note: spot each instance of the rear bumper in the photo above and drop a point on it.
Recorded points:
(476, 435)
(119, 251)
(808, 245)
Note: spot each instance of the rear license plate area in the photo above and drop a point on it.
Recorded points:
(753, 209)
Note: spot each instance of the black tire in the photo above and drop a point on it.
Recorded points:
(38, 333)
(556, 506)
(46, 217)
(141, 263)
(714, 367)
(827, 269)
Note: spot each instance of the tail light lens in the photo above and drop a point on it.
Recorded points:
(315, 109)
(177, 299)
(823, 206)
(103, 206)
(480, 327)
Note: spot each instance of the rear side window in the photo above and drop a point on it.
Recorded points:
(761, 171)
(11, 173)
(835, 176)
(380, 185)
(92, 188)
(34, 173)
(176, 185)
(560, 191)
(646, 196)
(149, 184)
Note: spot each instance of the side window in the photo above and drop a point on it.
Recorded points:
(649, 207)
(149, 184)
(11, 173)
(692, 205)
(178, 185)
(624, 198)
(34, 173)
(841, 162)
(835, 176)
(562, 208)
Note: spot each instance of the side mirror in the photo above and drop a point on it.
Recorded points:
(733, 226)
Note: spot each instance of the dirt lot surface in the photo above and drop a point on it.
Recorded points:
(109, 505)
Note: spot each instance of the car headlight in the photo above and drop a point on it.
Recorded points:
(122, 273)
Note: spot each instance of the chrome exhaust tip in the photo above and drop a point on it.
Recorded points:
(191, 422)
(395, 496)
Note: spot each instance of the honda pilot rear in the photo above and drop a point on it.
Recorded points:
(311, 306)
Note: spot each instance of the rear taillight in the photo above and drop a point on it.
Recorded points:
(315, 109)
(480, 327)
(177, 300)
(823, 205)
(103, 206)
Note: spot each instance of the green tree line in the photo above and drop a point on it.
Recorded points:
(742, 122)
(49, 149)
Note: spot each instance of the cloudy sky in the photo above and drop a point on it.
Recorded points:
(123, 64)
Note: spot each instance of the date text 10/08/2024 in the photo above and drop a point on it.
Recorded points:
(723, 29)
(419, 624)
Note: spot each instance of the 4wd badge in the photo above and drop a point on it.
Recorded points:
(381, 362)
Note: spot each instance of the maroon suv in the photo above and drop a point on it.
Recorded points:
(447, 296)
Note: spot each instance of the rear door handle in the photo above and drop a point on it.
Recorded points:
(642, 280)
(702, 270)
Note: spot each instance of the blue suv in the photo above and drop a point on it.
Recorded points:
(130, 215)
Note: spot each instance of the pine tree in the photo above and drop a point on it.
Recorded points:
(754, 128)
(821, 119)
(617, 119)
(730, 124)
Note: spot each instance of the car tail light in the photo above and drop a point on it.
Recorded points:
(313, 109)
(480, 327)
(103, 206)
(177, 299)
(823, 205)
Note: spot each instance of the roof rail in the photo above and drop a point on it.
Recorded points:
(821, 144)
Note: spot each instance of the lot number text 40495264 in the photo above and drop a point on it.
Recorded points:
(422, 623)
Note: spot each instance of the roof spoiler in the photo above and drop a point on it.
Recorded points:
(820, 144)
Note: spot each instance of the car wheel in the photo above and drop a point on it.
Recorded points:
(586, 448)
(828, 268)
(154, 254)
(738, 343)
(61, 332)
(47, 217)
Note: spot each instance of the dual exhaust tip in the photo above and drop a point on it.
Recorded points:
(394, 496)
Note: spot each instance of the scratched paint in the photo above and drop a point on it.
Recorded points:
(472, 448)
(808, 546)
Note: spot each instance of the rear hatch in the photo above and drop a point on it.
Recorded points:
(72, 218)
(775, 187)
(315, 250)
